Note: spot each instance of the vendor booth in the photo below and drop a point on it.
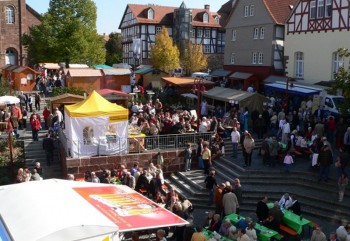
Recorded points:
(59, 210)
(253, 101)
(96, 126)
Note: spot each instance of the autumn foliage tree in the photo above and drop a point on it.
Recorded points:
(164, 54)
(193, 58)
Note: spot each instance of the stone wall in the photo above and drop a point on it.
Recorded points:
(173, 161)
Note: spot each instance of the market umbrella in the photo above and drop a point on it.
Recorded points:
(9, 100)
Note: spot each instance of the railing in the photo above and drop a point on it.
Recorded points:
(115, 146)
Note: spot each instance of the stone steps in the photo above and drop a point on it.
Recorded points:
(319, 201)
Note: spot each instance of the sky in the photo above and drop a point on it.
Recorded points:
(110, 12)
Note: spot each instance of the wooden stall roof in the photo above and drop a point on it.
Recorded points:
(184, 82)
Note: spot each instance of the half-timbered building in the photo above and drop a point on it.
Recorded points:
(201, 26)
(315, 30)
(255, 37)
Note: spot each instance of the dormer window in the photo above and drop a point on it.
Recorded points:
(150, 13)
(205, 18)
(217, 19)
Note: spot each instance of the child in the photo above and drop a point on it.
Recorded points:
(288, 161)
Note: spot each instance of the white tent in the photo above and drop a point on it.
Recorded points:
(57, 210)
(51, 210)
(96, 126)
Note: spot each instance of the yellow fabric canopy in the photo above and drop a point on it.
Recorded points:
(96, 105)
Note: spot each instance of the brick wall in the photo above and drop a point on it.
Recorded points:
(173, 161)
(10, 34)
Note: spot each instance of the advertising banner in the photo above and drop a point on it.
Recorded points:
(129, 209)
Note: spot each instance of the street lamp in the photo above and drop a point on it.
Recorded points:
(198, 86)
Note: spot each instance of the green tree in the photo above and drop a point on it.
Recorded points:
(164, 54)
(67, 34)
(114, 49)
(193, 58)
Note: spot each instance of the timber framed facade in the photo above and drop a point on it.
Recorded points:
(315, 30)
(144, 22)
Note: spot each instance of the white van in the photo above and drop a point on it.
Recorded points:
(332, 104)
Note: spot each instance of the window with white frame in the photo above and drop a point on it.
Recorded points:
(233, 58)
(193, 32)
(158, 29)
(338, 62)
(206, 48)
(299, 65)
(313, 9)
(262, 33)
(234, 35)
(320, 8)
(256, 33)
(328, 12)
(254, 57)
(261, 58)
(246, 11)
(207, 33)
(10, 15)
(199, 32)
(205, 18)
(251, 10)
(150, 13)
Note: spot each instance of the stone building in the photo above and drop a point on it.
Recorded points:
(16, 17)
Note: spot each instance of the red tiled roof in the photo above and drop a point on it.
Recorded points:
(279, 9)
(164, 15)
(197, 18)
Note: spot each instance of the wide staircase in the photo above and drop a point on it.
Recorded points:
(34, 150)
(319, 201)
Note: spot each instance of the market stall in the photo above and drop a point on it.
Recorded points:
(96, 126)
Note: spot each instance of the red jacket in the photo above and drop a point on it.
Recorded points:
(35, 124)
(46, 114)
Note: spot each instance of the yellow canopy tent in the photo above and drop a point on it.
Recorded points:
(96, 126)
(96, 105)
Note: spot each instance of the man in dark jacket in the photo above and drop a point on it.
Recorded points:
(48, 146)
(262, 210)
(325, 158)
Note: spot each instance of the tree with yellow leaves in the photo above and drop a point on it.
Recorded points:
(164, 54)
(193, 58)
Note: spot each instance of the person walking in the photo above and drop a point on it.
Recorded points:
(342, 183)
(36, 126)
(288, 161)
(210, 183)
(188, 157)
(37, 100)
(235, 138)
(248, 146)
(48, 147)
(206, 156)
(325, 159)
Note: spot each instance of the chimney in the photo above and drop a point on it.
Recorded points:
(207, 7)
